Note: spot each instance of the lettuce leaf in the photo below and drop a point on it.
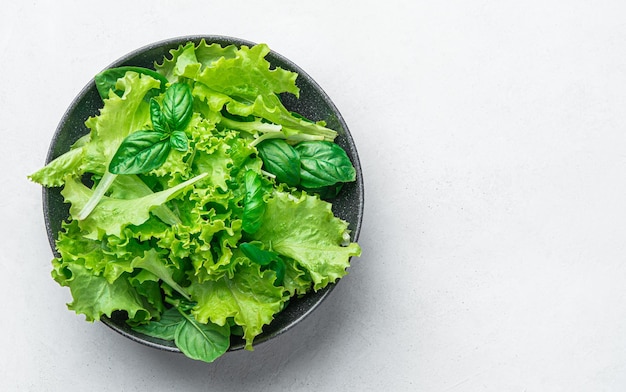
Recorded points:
(305, 229)
(54, 173)
(112, 215)
(94, 296)
(250, 297)
(119, 117)
(152, 261)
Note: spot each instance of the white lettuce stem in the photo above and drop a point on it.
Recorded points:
(102, 187)
(162, 212)
(250, 126)
(266, 136)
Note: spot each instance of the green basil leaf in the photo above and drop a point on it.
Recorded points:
(266, 259)
(323, 163)
(140, 152)
(253, 203)
(204, 342)
(106, 80)
(279, 267)
(280, 159)
(327, 192)
(178, 106)
(257, 254)
(157, 117)
(165, 327)
(179, 141)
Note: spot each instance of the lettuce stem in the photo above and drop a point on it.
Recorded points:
(250, 126)
(266, 136)
(102, 187)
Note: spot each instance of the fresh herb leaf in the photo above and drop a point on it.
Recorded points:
(157, 117)
(328, 192)
(257, 254)
(202, 341)
(267, 259)
(280, 159)
(179, 141)
(323, 164)
(178, 106)
(140, 152)
(253, 203)
(278, 266)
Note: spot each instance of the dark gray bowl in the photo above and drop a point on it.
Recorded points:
(313, 103)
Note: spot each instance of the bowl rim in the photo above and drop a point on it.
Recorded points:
(272, 57)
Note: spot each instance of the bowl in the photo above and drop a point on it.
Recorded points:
(313, 103)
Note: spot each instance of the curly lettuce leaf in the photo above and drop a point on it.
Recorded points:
(305, 229)
(148, 286)
(188, 59)
(153, 262)
(270, 108)
(54, 173)
(242, 73)
(112, 215)
(119, 117)
(244, 82)
(248, 75)
(94, 296)
(250, 297)
(102, 257)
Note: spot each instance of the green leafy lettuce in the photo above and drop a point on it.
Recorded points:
(181, 218)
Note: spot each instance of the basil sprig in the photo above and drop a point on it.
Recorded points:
(313, 165)
(323, 164)
(280, 159)
(145, 150)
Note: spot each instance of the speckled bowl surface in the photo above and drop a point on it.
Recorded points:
(313, 103)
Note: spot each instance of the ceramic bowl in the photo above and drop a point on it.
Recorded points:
(313, 103)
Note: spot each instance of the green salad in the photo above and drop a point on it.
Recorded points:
(199, 205)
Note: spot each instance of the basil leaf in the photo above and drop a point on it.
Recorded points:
(278, 266)
(266, 259)
(280, 159)
(107, 79)
(255, 253)
(140, 152)
(178, 106)
(165, 327)
(204, 342)
(328, 192)
(156, 116)
(323, 163)
(253, 203)
(179, 141)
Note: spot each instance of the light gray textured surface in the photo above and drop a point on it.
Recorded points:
(491, 135)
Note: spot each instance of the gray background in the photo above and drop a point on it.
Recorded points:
(492, 138)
